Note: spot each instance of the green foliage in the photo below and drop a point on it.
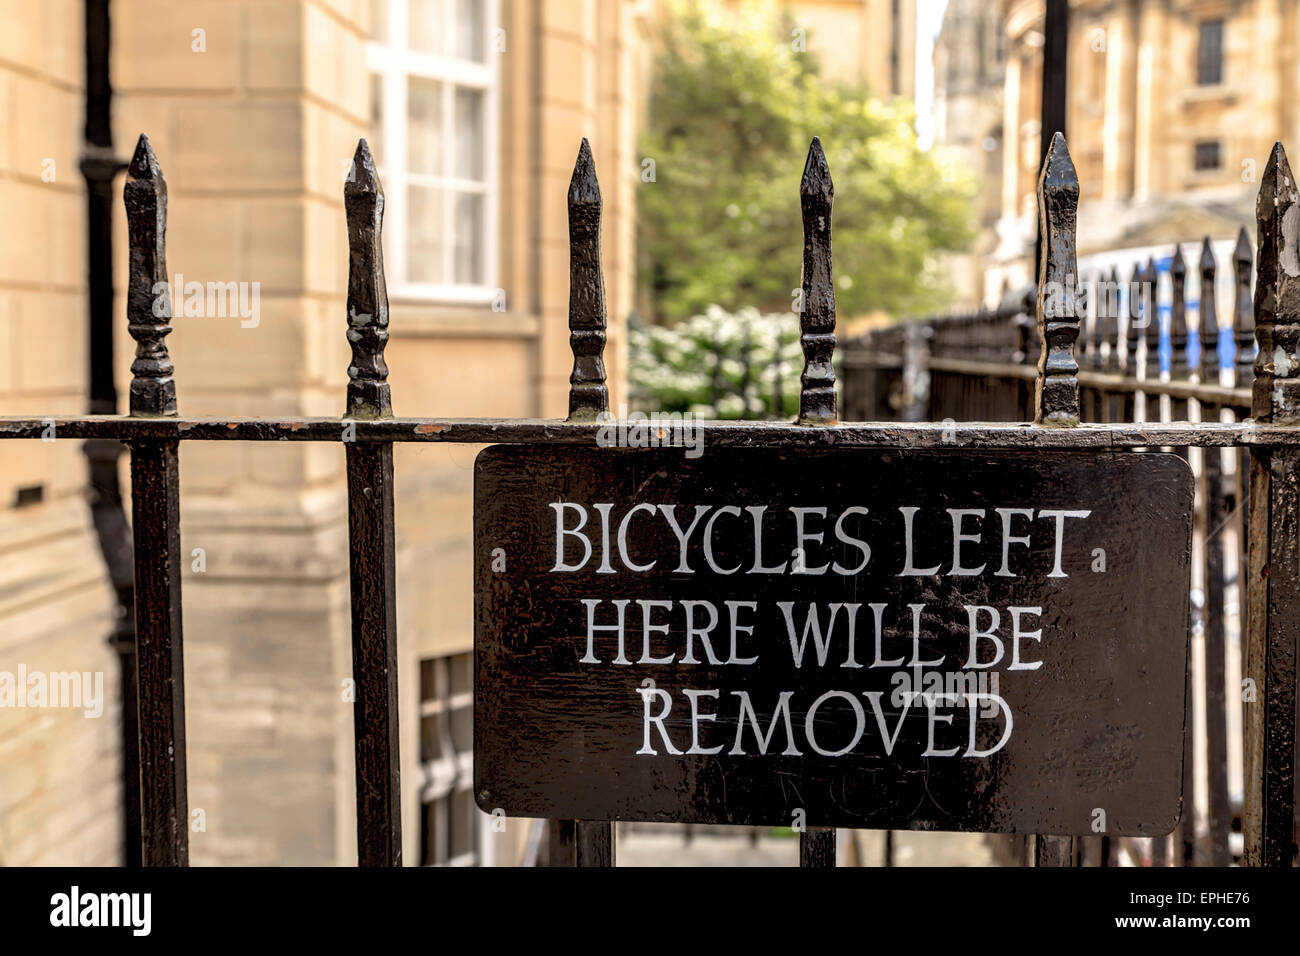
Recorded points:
(732, 110)
(685, 367)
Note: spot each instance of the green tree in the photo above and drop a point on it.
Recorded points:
(733, 108)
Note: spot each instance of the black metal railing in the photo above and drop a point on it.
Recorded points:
(1053, 403)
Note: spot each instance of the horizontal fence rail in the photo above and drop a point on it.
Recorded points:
(1043, 372)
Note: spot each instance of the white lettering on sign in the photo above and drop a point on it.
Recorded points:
(947, 677)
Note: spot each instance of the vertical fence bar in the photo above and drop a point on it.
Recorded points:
(588, 395)
(1274, 578)
(155, 502)
(561, 843)
(1056, 390)
(817, 846)
(1216, 702)
(1180, 410)
(1055, 850)
(817, 384)
(1243, 330)
(1151, 309)
(1113, 404)
(372, 539)
(1052, 101)
(594, 843)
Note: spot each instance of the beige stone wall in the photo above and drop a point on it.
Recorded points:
(859, 41)
(254, 108)
(60, 794)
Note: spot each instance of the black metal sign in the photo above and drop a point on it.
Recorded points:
(848, 637)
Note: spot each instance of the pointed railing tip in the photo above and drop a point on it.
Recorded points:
(364, 177)
(144, 164)
(583, 187)
(1208, 263)
(1058, 168)
(816, 181)
(1243, 253)
(1277, 183)
(1177, 265)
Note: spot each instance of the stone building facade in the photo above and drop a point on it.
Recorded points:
(475, 112)
(1173, 106)
(859, 41)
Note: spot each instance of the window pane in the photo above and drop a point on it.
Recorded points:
(462, 674)
(468, 239)
(469, 30)
(469, 134)
(376, 135)
(462, 730)
(1207, 155)
(424, 126)
(424, 234)
(424, 25)
(463, 819)
(430, 738)
(1209, 53)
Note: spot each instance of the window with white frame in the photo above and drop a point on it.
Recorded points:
(453, 830)
(433, 110)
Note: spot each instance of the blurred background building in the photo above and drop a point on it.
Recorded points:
(1172, 110)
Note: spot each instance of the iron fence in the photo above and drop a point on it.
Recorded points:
(1054, 397)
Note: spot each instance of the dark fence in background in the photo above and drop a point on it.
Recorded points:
(1145, 355)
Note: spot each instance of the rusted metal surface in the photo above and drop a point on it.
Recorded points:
(730, 434)
(1056, 399)
(817, 403)
(371, 531)
(588, 394)
(363, 200)
(155, 496)
(1274, 604)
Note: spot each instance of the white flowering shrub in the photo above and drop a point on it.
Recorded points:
(699, 365)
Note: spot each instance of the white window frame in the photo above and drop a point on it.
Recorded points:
(453, 771)
(394, 64)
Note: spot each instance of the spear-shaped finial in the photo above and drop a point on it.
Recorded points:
(363, 203)
(817, 292)
(1151, 311)
(1209, 315)
(1101, 304)
(148, 296)
(1276, 393)
(1243, 309)
(1057, 391)
(588, 395)
(1179, 363)
(1111, 331)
